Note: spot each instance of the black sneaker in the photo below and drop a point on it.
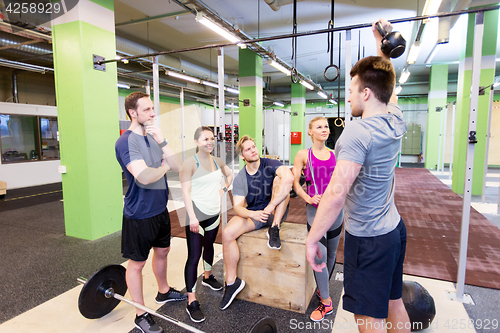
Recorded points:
(194, 312)
(170, 296)
(230, 293)
(273, 234)
(147, 324)
(212, 283)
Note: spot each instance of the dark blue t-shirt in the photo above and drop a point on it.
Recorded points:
(141, 201)
(257, 188)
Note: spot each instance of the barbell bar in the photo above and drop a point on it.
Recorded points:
(101, 293)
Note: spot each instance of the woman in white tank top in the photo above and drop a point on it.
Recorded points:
(202, 178)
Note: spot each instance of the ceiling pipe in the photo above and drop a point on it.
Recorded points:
(126, 46)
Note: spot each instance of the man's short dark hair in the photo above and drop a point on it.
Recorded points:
(131, 101)
(377, 74)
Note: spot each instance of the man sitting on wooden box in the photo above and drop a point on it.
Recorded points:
(261, 193)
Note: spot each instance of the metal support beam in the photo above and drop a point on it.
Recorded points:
(488, 135)
(156, 90)
(445, 124)
(474, 99)
(347, 69)
(222, 106)
(183, 136)
(452, 142)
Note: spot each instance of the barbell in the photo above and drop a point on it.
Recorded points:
(104, 290)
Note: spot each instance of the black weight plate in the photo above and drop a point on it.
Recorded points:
(92, 302)
(264, 325)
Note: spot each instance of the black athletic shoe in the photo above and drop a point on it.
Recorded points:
(170, 296)
(273, 234)
(194, 312)
(147, 324)
(230, 293)
(212, 283)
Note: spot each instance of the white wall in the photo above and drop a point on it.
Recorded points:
(29, 173)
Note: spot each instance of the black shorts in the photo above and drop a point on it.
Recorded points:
(373, 272)
(139, 236)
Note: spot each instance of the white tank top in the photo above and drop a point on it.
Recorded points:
(205, 186)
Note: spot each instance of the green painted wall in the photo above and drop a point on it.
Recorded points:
(87, 103)
(250, 117)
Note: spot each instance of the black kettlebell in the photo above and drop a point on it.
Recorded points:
(393, 44)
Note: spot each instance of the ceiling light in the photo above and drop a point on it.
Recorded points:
(123, 85)
(226, 34)
(235, 106)
(182, 76)
(210, 84)
(398, 90)
(279, 104)
(434, 51)
(333, 101)
(431, 7)
(413, 54)
(307, 84)
(279, 66)
(322, 94)
(24, 66)
(232, 90)
(405, 74)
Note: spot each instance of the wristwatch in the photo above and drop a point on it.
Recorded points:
(225, 189)
(163, 144)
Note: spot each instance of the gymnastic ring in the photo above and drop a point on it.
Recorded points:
(342, 124)
(294, 75)
(336, 76)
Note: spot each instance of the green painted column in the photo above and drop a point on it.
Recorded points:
(250, 117)
(87, 107)
(298, 118)
(438, 91)
(463, 102)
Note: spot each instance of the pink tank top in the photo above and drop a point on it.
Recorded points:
(323, 171)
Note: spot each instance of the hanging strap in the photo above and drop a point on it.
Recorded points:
(329, 41)
(309, 164)
(294, 75)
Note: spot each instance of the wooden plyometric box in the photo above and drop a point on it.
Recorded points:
(278, 278)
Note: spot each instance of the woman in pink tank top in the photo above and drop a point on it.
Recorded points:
(317, 163)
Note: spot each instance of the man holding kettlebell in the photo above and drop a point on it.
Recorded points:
(363, 184)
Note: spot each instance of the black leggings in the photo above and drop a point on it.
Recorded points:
(196, 242)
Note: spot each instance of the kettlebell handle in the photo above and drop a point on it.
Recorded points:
(380, 29)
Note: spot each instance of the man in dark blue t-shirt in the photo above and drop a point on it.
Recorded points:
(261, 192)
(145, 157)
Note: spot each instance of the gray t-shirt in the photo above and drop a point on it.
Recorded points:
(374, 143)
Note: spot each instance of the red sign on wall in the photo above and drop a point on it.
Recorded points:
(296, 138)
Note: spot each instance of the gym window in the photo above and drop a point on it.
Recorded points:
(28, 138)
